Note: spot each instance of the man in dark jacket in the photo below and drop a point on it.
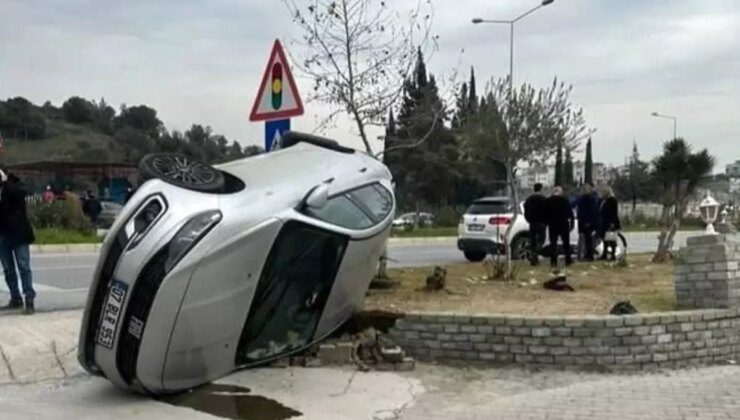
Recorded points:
(588, 219)
(534, 214)
(16, 234)
(560, 221)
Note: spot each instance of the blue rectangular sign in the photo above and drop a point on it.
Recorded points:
(274, 133)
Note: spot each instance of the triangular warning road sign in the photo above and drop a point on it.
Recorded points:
(277, 96)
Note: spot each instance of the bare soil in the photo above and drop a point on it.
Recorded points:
(471, 289)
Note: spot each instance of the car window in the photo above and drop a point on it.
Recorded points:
(374, 200)
(490, 207)
(342, 212)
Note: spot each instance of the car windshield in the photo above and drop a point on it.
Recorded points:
(490, 207)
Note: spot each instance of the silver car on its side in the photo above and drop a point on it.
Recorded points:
(212, 269)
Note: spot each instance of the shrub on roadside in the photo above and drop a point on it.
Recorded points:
(62, 215)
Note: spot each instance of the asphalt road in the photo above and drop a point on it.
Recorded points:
(62, 280)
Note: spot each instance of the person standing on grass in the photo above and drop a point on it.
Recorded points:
(609, 212)
(560, 222)
(16, 234)
(588, 219)
(534, 214)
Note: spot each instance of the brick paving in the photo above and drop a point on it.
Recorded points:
(707, 393)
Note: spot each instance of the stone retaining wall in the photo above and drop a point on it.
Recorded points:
(633, 342)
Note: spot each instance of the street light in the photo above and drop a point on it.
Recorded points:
(511, 38)
(675, 120)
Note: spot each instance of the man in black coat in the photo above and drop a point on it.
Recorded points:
(534, 214)
(16, 234)
(560, 222)
(588, 219)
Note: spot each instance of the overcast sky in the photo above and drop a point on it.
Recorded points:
(200, 61)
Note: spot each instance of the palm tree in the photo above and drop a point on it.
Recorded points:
(680, 172)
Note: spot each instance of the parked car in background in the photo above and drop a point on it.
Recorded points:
(210, 269)
(482, 231)
(409, 220)
(109, 214)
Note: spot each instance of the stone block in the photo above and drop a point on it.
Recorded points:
(562, 332)
(544, 359)
(696, 277)
(532, 341)
(392, 354)
(624, 360)
(468, 329)
(482, 347)
(702, 268)
(411, 335)
(432, 344)
(559, 351)
(572, 342)
(444, 337)
(465, 346)
(494, 339)
(665, 338)
(522, 331)
(534, 322)
(452, 328)
(489, 357)
(460, 337)
(605, 360)
(518, 349)
(538, 350)
(541, 332)
(705, 240)
(616, 321)
(660, 357)
(514, 321)
(644, 330)
(574, 322)
(524, 358)
(499, 348)
(565, 360)
(477, 338)
(657, 329)
(406, 365)
(720, 275)
(726, 266)
(553, 341)
(485, 329)
(503, 330)
(512, 340)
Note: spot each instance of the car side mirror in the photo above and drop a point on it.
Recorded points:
(317, 197)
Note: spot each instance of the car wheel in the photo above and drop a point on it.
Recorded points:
(182, 171)
(474, 256)
(520, 248)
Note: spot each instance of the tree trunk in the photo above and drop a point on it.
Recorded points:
(663, 252)
(507, 241)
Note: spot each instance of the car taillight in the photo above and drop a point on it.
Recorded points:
(499, 220)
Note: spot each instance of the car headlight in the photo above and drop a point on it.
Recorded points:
(189, 235)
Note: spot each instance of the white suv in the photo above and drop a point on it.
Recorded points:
(483, 227)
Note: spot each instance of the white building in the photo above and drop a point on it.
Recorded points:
(545, 175)
(733, 170)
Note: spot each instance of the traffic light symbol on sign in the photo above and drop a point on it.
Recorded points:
(277, 86)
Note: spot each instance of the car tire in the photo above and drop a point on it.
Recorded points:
(182, 171)
(520, 247)
(475, 256)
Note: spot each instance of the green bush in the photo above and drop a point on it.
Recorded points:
(447, 217)
(63, 215)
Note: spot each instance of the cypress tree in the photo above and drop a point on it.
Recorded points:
(568, 177)
(559, 167)
(472, 95)
(589, 165)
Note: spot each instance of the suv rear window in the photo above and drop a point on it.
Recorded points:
(490, 207)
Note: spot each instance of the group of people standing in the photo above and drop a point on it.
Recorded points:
(556, 216)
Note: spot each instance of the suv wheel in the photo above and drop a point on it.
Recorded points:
(474, 256)
(520, 247)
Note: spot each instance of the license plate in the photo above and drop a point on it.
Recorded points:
(111, 313)
(476, 228)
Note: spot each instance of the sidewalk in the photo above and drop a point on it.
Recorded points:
(38, 347)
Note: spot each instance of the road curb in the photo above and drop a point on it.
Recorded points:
(422, 240)
(64, 248)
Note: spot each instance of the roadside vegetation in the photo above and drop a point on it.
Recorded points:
(51, 236)
(598, 286)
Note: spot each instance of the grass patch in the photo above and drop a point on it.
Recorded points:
(598, 285)
(425, 232)
(60, 236)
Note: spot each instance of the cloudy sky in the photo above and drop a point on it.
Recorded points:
(199, 61)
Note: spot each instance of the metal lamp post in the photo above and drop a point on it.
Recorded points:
(511, 37)
(670, 117)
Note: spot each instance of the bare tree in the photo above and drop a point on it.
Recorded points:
(358, 55)
(526, 125)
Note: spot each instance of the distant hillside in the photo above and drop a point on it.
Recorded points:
(64, 142)
(90, 131)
